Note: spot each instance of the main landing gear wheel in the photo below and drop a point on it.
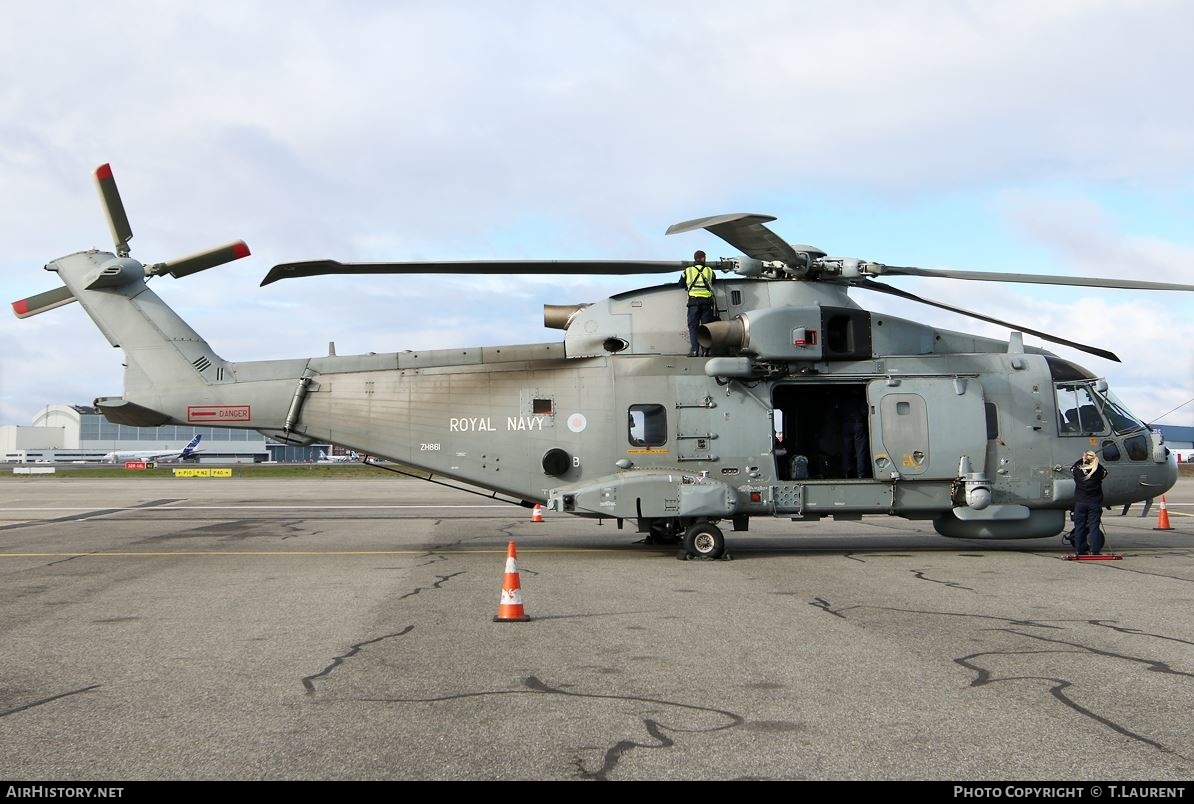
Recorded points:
(703, 540)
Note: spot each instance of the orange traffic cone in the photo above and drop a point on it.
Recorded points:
(1163, 517)
(537, 513)
(510, 607)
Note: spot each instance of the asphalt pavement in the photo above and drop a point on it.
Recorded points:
(207, 628)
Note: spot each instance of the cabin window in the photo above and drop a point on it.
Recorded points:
(1110, 451)
(647, 425)
(541, 407)
(992, 421)
(1137, 447)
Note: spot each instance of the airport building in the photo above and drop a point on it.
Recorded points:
(64, 433)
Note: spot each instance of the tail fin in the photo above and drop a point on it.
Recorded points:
(168, 365)
(189, 448)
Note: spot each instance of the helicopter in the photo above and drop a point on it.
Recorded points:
(619, 421)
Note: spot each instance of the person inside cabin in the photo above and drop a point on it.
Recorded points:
(781, 454)
(702, 307)
(856, 458)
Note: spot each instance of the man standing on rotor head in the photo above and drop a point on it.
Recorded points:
(698, 279)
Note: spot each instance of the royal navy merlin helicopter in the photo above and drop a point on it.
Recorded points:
(618, 421)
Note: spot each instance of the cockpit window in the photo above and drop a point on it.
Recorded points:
(1122, 421)
(1084, 410)
(1077, 412)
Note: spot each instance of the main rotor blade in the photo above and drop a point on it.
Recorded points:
(1035, 279)
(295, 270)
(193, 264)
(903, 294)
(744, 231)
(118, 221)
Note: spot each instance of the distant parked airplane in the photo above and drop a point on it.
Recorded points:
(351, 457)
(118, 456)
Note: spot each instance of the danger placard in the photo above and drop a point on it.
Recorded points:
(218, 414)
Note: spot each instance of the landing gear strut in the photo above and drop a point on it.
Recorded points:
(664, 531)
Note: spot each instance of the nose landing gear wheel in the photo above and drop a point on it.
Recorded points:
(703, 540)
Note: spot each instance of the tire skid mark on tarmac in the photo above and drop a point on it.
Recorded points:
(239, 529)
(1114, 565)
(353, 650)
(824, 605)
(1058, 686)
(505, 530)
(1136, 631)
(89, 514)
(984, 676)
(612, 755)
(64, 560)
(437, 585)
(1057, 690)
(921, 576)
(8, 712)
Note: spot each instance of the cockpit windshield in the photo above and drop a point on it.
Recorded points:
(1086, 408)
(1122, 420)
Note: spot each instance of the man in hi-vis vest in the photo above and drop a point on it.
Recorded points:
(698, 279)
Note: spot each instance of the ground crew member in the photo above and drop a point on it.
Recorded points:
(698, 280)
(1088, 477)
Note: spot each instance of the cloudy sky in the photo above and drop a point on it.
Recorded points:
(1036, 137)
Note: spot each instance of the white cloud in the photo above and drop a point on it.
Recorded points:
(457, 130)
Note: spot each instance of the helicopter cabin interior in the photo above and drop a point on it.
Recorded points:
(821, 431)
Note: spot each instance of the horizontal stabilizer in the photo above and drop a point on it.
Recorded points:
(42, 302)
(121, 411)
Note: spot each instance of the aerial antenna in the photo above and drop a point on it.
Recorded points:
(1166, 413)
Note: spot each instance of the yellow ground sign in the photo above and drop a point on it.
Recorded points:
(203, 473)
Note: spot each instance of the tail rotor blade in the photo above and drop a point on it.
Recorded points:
(203, 260)
(33, 305)
(118, 221)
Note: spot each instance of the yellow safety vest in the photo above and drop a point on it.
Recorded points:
(699, 281)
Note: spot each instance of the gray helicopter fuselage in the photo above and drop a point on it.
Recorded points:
(618, 421)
